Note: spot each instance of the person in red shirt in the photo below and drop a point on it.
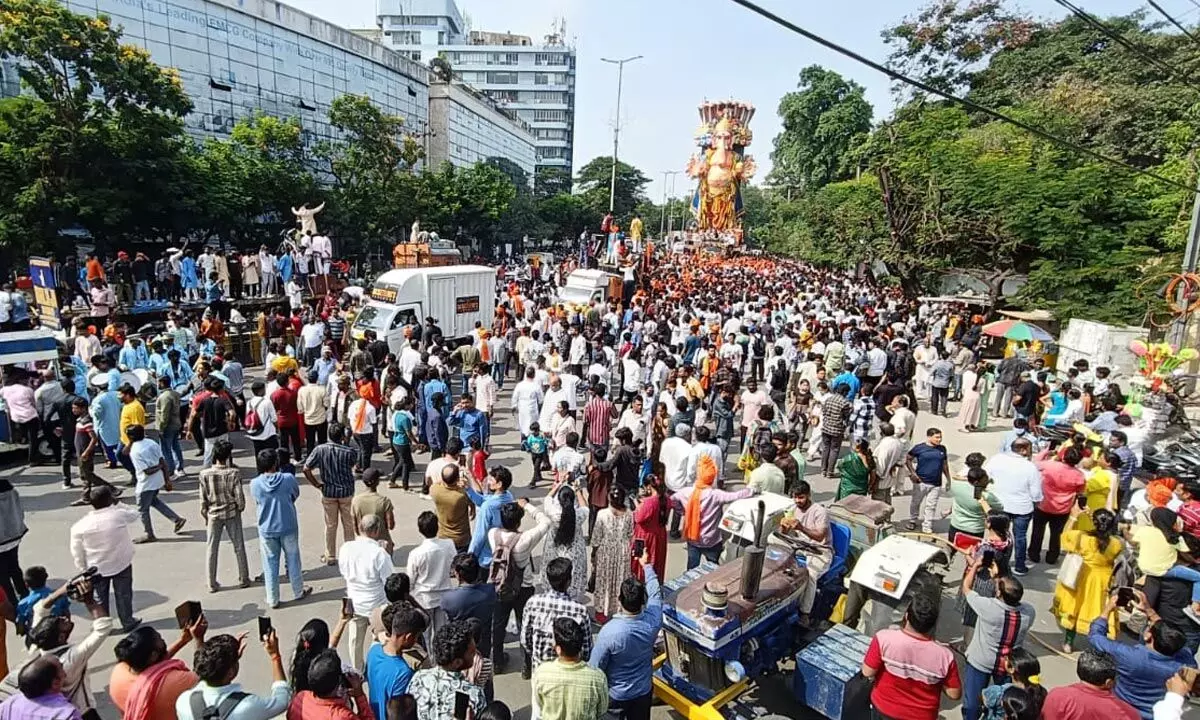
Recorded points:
(1062, 482)
(911, 670)
(331, 693)
(1189, 512)
(287, 414)
(1093, 698)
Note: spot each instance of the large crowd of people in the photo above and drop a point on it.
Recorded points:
(719, 376)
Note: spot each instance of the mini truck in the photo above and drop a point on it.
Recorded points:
(455, 296)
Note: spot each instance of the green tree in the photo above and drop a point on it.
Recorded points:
(565, 216)
(96, 141)
(824, 122)
(594, 182)
(253, 178)
(514, 172)
(947, 41)
(372, 170)
(550, 181)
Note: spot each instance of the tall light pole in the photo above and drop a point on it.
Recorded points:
(612, 186)
(671, 219)
(662, 223)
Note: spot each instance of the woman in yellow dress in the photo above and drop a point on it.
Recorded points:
(1099, 547)
(1101, 487)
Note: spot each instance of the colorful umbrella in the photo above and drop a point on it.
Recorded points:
(1018, 330)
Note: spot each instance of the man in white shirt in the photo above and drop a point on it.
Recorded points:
(674, 456)
(634, 418)
(101, 540)
(550, 401)
(365, 566)
(705, 446)
(1017, 484)
(260, 403)
(484, 389)
(567, 462)
(527, 399)
(313, 334)
(150, 467)
(429, 570)
(410, 358)
(576, 352)
(570, 385)
(889, 460)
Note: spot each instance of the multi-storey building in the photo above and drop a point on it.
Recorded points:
(466, 127)
(536, 81)
(239, 57)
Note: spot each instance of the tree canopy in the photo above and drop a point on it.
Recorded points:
(943, 188)
(824, 123)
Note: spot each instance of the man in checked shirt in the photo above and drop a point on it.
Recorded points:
(537, 630)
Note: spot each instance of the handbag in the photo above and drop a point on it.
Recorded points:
(1068, 572)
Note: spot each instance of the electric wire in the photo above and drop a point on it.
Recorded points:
(969, 104)
(1191, 36)
(1127, 43)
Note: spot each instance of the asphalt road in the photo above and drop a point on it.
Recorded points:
(172, 570)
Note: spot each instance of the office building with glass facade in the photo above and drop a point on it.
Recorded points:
(239, 57)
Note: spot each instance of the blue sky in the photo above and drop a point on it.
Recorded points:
(698, 49)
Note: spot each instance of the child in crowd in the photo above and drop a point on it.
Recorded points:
(1023, 670)
(285, 461)
(478, 460)
(35, 579)
(538, 447)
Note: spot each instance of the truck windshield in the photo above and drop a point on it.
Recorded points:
(375, 317)
(575, 294)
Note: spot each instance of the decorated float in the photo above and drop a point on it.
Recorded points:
(720, 167)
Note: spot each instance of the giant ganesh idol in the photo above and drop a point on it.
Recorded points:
(721, 166)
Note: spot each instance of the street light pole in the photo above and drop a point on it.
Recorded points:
(612, 187)
(662, 224)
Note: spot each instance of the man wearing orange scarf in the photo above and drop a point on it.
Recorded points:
(702, 506)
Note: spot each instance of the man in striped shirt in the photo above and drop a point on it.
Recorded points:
(1003, 623)
(598, 416)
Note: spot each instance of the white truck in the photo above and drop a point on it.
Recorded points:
(455, 296)
(585, 285)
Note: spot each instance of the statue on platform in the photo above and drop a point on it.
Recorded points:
(416, 229)
(306, 217)
(721, 165)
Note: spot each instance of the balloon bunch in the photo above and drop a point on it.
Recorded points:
(1156, 361)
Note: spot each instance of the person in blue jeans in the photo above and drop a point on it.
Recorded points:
(169, 423)
(275, 494)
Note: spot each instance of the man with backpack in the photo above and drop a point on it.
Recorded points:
(512, 571)
(260, 419)
(218, 697)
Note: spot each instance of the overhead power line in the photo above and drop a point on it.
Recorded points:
(1128, 44)
(969, 104)
(1175, 22)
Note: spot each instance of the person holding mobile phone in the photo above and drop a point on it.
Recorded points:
(148, 679)
(331, 693)
(218, 662)
(624, 649)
